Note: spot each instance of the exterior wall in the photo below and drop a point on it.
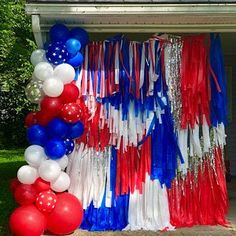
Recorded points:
(231, 129)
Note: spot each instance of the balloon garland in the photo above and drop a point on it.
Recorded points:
(51, 132)
(135, 131)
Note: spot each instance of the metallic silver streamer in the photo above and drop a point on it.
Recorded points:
(173, 50)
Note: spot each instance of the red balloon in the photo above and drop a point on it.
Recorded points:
(41, 185)
(14, 183)
(70, 93)
(71, 112)
(46, 201)
(66, 216)
(27, 220)
(25, 194)
(51, 105)
(43, 117)
(30, 119)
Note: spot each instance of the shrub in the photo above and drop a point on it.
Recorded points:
(16, 45)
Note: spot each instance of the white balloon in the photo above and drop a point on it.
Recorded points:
(43, 71)
(27, 174)
(37, 56)
(53, 87)
(63, 162)
(49, 170)
(62, 183)
(64, 72)
(34, 155)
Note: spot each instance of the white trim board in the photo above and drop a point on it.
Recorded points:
(136, 18)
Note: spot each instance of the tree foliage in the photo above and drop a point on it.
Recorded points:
(16, 45)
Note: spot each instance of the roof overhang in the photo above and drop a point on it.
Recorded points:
(142, 18)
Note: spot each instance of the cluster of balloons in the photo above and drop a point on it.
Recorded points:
(40, 186)
(41, 209)
(65, 46)
(51, 132)
(54, 66)
(49, 170)
(50, 81)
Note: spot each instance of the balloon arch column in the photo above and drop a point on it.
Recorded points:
(127, 136)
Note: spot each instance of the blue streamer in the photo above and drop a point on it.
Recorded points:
(219, 100)
(164, 145)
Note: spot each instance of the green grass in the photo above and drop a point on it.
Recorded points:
(10, 161)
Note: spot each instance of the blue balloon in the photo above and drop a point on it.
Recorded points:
(57, 128)
(36, 134)
(59, 33)
(73, 46)
(55, 148)
(81, 35)
(69, 143)
(57, 53)
(76, 130)
(77, 60)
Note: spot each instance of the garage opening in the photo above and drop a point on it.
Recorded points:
(148, 148)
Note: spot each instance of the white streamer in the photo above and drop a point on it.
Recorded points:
(117, 70)
(88, 172)
(149, 210)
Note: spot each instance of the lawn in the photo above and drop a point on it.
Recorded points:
(10, 161)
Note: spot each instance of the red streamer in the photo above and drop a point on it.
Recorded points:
(132, 167)
(202, 198)
(195, 88)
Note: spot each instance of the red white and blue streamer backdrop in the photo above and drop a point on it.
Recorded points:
(127, 136)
